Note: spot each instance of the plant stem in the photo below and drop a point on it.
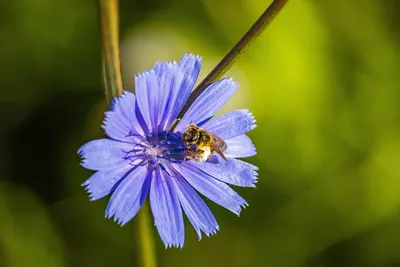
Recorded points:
(226, 63)
(113, 82)
(148, 258)
(110, 40)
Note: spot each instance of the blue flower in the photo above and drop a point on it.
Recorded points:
(142, 157)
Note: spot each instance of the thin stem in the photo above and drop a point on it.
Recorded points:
(148, 257)
(226, 63)
(110, 40)
(113, 81)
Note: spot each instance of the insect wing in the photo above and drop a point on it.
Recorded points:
(219, 146)
(219, 143)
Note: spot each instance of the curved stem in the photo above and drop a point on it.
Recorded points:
(226, 63)
(110, 41)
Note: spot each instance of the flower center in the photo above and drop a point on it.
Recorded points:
(157, 146)
(155, 152)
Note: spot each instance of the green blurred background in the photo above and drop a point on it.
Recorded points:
(323, 83)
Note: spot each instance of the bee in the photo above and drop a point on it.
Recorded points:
(201, 144)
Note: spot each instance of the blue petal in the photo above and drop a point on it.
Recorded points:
(190, 65)
(121, 121)
(126, 107)
(118, 128)
(129, 196)
(231, 124)
(184, 80)
(170, 78)
(232, 171)
(102, 183)
(239, 147)
(167, 212)
(195, 208)
(208, 103)
(104, 154)
(212, 188)
(147, 93)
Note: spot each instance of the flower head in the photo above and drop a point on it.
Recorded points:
(143, 157)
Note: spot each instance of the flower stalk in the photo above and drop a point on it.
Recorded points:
(146, 238)
(110, 42)
(109, 21)
(226, 63)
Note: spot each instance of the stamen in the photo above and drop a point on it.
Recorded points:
(142, 163)
(157, 147)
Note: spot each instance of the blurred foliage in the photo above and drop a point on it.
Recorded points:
(323, 83)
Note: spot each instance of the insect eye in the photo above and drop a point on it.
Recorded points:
(187, 137)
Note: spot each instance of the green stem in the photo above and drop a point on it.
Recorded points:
(110, 40)
(226, 63)
(113, 82)
(147, 246)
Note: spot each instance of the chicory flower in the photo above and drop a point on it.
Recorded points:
(142, 157)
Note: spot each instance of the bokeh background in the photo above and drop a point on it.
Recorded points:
(323, 82)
